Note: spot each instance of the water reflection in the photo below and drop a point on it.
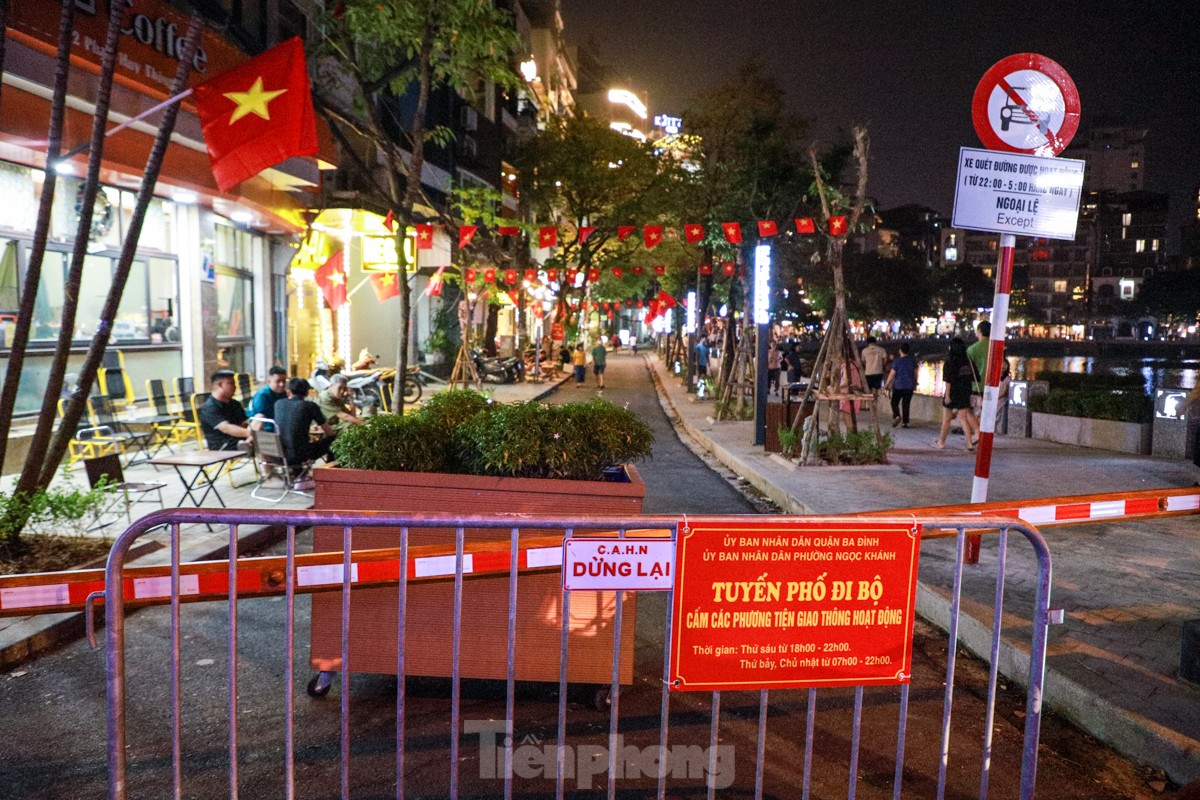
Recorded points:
(1156, 372)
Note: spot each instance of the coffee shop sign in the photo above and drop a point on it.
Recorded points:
(670, 125)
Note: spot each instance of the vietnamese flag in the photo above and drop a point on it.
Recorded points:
(552, 275)
(637, 270)
(593, 274)
(385, 285)
(660, 269)
(465, 234)
(618, 272)
(729, 268)
(548, 236)
(469, 275)
(639, 303)
(434, 287)
(623, 232)
(706, 269)
(509, 230)
(389, 221)
(733, 232)
(531, 275)
(258, 115)
(572, 274)
(805, 225)
(489, 275)
(424, 237)
(331, 277)
(652, 235)
(837, 226)
(767, 227)
(693, 233)
(585, 232)
(510, 276)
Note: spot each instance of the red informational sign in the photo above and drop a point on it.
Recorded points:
(1026, 103)
(791, 605)
(556, 332)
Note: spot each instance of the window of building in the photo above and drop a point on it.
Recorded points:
(9, 280)
(235, 303)
(1134, 164)
(1154, 245)
(1139, 246)
(1060, 286)
(1126, 219)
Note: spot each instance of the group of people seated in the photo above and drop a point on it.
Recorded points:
(283, 404)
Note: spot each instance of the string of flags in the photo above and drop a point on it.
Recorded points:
(652, 235)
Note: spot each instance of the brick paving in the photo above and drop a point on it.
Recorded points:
(1126, 587)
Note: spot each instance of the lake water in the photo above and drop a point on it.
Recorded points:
(1158, 373)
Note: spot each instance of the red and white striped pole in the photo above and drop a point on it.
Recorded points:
(991, 386)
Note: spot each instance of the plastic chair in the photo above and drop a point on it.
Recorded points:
(114, 378)
(108, 468)
(164, 423)
(92, 442)
(273, 464)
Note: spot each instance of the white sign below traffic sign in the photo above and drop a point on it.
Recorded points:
(618, 565)
(1017, 194)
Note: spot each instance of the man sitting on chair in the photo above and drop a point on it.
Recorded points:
(293, 419)
(264, 400)
(223, 421)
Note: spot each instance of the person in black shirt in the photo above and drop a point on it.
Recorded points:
(223, 421)
(294, 418)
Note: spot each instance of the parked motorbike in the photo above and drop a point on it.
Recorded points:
(498, 370)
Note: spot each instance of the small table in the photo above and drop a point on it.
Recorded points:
(201, 460)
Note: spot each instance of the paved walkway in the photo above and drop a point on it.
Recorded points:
(1127, 588)
(22, 638)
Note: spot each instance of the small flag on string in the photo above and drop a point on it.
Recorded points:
(510, 276)
(837, 226)
(424, 237)
(660, 269)
(547, 236)
(652, 234)
(637, 270)
(729, 268)
(469, 275)
(593, 274)
(572, 276)
(552, 275)
(585, 232)
(531, 275)
(805, 225)
(465, 234)
(733, 232)
(767, 227)
(489, 275)
(509, 230)
(389, 221)
(693, 233)
(706, 269)
(618, 272)
(623, 232)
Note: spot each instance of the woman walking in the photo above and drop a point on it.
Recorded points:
(958, 374)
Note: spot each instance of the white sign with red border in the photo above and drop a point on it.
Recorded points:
(1018, 194)
(1026, 103)
(618, 565)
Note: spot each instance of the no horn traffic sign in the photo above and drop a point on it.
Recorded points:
(1026, 103)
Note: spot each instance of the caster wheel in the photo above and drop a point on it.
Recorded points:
(320, 685)
(602, 699)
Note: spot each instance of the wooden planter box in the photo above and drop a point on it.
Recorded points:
(429, 626)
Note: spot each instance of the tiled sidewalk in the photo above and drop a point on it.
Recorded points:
(1127, 588)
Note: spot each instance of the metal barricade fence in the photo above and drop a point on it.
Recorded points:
(661, 764)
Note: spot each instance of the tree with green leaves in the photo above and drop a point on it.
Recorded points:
(374, 54)
(1171, 295)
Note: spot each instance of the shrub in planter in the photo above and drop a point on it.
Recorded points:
(1070, 381)
(854, 449)
(464, 432)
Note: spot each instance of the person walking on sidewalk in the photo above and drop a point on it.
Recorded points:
(702, 358)
(599, 357)
(957, 375)
(901, 382)
(579, 363)
(978, 355)
(873, 357)
(774, 366)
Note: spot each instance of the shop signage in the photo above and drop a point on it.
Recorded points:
(618, 565)
(379, 253)
(557, 333)
(150, 45)
(762, 605)
(1018, 194)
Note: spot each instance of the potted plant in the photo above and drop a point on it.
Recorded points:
(463, 453)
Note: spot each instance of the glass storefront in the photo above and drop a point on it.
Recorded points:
(238, 257)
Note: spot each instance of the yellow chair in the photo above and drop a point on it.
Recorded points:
(114, 378)
(89, 441)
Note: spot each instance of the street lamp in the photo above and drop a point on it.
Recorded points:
(762, 321)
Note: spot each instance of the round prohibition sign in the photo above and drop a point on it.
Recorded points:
(1026, 103)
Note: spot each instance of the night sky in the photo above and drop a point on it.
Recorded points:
(908, 69)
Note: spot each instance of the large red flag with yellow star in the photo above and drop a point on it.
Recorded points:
(258, 115)
(385, 285)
